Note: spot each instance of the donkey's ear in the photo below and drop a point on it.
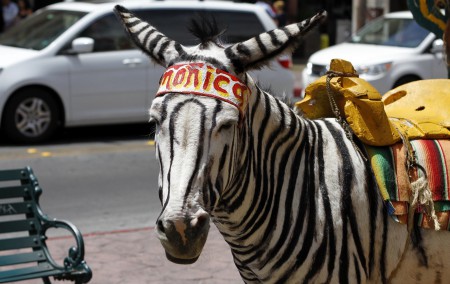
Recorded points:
(159, 47)
(257, 51)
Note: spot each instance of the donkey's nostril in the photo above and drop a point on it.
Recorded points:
(160, 226)
(202, 219)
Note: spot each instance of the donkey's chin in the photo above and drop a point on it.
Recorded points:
(181, 260)
(183, 254)
(187, 251)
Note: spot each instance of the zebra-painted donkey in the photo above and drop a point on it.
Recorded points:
(292, 197)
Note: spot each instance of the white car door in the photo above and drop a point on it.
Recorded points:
(109, 84)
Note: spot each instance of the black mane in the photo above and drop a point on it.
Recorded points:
(205, 28)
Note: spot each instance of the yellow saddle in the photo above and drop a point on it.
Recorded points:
(418, 110)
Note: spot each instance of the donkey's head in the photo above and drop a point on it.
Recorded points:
(201, 103)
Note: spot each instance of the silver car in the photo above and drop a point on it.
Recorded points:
(72, 64)
(388, 52)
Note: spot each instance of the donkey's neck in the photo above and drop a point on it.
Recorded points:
(282, 168)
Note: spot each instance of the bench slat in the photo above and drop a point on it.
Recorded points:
(16, 208)
(20, 258)
(28, 273)
(16, 174)
(20, 243)
(14, 191)
(17, 226)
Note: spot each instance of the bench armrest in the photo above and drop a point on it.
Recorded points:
(76, 254)
(74, 262)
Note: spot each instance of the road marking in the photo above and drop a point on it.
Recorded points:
(9, 153)
(46, 154)
(103, 233)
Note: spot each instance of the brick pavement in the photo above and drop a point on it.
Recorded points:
(135, 256)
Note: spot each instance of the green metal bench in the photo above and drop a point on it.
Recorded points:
(23, 226)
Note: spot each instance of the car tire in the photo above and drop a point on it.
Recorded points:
(405, 79)
(31, 116)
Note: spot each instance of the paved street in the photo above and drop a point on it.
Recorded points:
(99, 186)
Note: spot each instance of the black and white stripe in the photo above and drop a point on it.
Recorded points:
(292, 197)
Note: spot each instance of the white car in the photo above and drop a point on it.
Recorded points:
(388, 52)
(72, 64)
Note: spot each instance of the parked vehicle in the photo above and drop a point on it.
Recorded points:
(388, 52)
(72, 64)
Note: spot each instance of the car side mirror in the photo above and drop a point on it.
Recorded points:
(82, 45)
(437, 46)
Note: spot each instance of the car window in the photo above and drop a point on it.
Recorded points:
(40, 29)
(391, 32)
(239, 25)
(108, 34)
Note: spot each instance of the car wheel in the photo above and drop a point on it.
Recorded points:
(31, 116)
(405, 79)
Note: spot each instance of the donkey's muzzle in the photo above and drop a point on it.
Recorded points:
(183, 239)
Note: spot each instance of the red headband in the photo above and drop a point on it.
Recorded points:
(204, 80)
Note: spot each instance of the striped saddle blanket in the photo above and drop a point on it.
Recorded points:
(389, 167)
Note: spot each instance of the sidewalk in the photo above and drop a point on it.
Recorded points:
(136, 257)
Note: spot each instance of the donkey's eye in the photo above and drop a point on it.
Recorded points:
(225, 126)
(154, 120)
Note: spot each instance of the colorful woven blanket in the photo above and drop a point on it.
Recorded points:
(389, 167)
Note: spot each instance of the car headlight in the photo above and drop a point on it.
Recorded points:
(374, 70)
(309, 68)
(316, 69)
